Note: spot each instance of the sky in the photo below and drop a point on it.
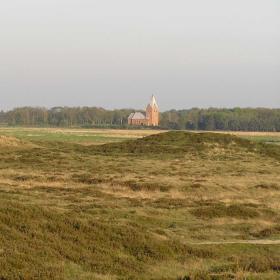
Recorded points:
(116, 54)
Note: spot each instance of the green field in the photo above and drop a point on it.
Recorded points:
(102, 136)
(173, 205)
(265, 139)
(81, 136)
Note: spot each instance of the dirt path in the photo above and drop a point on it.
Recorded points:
(254, 242)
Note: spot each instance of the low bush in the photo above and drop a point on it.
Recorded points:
(220, 210)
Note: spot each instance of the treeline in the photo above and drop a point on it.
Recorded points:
(64, 117)
(237, 119)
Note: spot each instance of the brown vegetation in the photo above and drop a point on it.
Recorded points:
(146, 209)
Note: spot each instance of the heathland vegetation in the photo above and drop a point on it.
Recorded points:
(237, 119)
(172, 205)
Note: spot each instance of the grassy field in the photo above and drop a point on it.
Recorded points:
(263, 137)
(173, 205)
(102, 136)
(81, 136)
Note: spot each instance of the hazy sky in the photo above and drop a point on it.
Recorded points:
(116, 54)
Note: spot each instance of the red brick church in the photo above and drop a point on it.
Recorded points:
(150, 119)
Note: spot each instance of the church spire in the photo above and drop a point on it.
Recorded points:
(153, 102)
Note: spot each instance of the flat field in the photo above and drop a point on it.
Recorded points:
(81, 136)
(102, 136)
(172, 205)
(264, 137)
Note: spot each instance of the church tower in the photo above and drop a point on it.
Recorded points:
(152, 113)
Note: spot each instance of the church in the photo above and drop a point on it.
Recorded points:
(150, 119)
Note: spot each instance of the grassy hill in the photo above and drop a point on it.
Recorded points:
(175, 205)
(180, 143)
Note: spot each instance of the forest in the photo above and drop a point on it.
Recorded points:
(236, 119)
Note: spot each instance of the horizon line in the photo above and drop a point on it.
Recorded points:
(133, 109)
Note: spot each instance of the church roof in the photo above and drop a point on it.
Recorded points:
(136, 116)
(131, 116)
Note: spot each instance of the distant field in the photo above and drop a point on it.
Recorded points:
(83, 136)
(265, 137)
(102, 136)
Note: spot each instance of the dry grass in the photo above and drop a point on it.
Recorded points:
(119, 133)
(6, 141)
(73, 212)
